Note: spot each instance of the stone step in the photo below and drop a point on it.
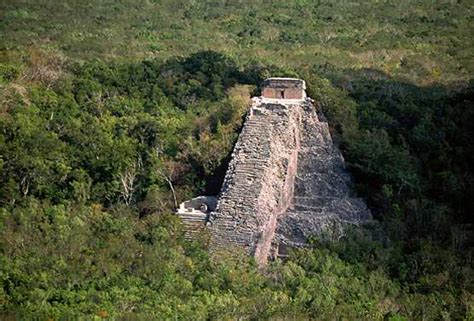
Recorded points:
(247, 179)
(244, 186)
(320, 150)
(261, 125)
(256, 125)
(331, 184)
(349, 209)
(256, 145)
(255, 141)
(240, 174)
(249, 168)
(253, 133)
(313, 201)
(250, 161)
(232, 198)
(192, 219)
(255, 128)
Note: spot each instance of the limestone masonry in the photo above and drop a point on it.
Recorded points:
(286, 180)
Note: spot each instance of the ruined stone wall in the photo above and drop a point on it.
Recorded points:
(194, 224)
(285, 182)
(323, 199)
(194, 215)
(289, 93)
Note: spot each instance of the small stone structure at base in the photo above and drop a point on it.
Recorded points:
(195, 214)
(286, 181)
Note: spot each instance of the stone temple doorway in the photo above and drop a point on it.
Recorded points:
(281, 94)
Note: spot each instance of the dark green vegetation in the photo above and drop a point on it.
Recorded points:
(102, 127)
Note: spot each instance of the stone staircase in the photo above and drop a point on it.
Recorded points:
(231, 222)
